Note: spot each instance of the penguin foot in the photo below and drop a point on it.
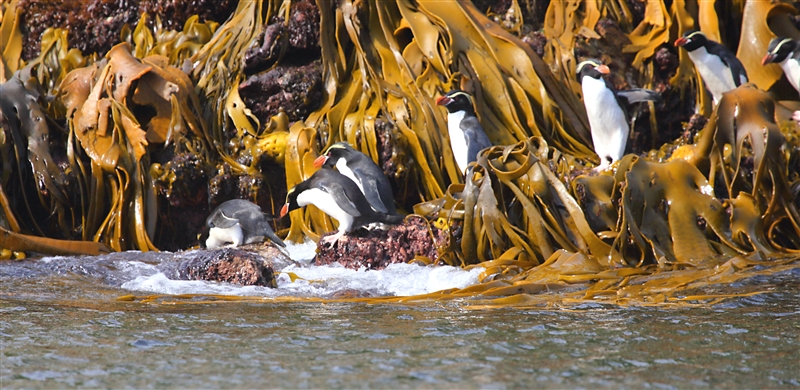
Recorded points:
(796, 116)
(332, 239)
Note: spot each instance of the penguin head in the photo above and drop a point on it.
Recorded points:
(291, 200)
(691, 40)
(779, 48)
(333, 154)
(456, 100)
(592, 68)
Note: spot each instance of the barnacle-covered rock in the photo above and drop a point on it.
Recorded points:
(294, 90)
(228, 265)
(375, 249)
(94, 25)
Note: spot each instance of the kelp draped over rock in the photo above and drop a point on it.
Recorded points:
(525, 211)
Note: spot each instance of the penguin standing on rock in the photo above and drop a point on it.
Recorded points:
(718, 66)
(364, 172)
(338, 196)
(238, 222)
(466, 134)
(784, 52)
(607, 110)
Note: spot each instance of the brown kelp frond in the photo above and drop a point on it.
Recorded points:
(10, 40)
(115, 109)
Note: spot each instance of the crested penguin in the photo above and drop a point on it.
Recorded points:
(364, 172)
(607, 110)
(784, 52)
(466, 134)
(339, 197)
(718, 66)
(238, 222)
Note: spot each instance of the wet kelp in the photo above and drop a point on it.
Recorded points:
(682, 216)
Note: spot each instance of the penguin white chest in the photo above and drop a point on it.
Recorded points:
(791, 67)
(342, 167)
(327, 203)
(606, 120)
(458, 142)
(219, 236)
(715, 73)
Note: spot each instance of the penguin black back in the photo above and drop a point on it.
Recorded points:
(364, 172)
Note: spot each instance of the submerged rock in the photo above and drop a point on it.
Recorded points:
(376, 249)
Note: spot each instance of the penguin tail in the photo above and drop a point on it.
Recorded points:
(392, 219)
(636, 95)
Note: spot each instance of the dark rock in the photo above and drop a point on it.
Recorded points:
(301, 38)
(183, 205)
(376, 249)
(228, 265)
(297, 91)
(94, 25)
(537, 41)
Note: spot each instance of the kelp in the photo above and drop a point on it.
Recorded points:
(648, 232)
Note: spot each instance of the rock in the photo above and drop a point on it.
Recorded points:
(94, 25)
(230, 265)
(376, 249)
(295, 90)
(301, 39)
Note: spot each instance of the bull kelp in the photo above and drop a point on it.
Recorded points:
(107, 142)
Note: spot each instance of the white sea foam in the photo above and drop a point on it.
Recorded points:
(318, 281)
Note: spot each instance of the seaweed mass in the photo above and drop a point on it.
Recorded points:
(128, 141)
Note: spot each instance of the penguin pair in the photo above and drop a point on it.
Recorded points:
(607, 110)
(466, 134)
(718, 66)
(238, 222)
(339, 197)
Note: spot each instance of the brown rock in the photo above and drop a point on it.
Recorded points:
(376, 249)
(230, 265)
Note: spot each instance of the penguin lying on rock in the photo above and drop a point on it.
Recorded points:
(607, 110)
(238, 222)
(339, 197)
(466, 134)
(718, 66)
(364, 172)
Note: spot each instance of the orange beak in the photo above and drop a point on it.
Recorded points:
(443, 101)
(320, 161)
(681, 41)
(603, 69)
(284, 209)
(768, 59)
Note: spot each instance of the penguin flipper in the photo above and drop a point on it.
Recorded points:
(477, 139)
(220, 220)
(636, 95)
(340, 196)
(738, 72)
(370, 186)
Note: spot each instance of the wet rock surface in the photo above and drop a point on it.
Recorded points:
(376, 249)
(230, 265)
(94, 25)
(295, 90)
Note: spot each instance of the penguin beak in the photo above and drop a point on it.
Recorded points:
(443, 101)
(320, 161)
(603, 69)
(768, 59)
(681, 41)
(284, 209)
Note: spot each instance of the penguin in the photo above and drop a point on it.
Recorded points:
(607, 110)
(364, 172)
(466, 134)
(718, 66)
(238, 222)
(338, 196)
(784, 52)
